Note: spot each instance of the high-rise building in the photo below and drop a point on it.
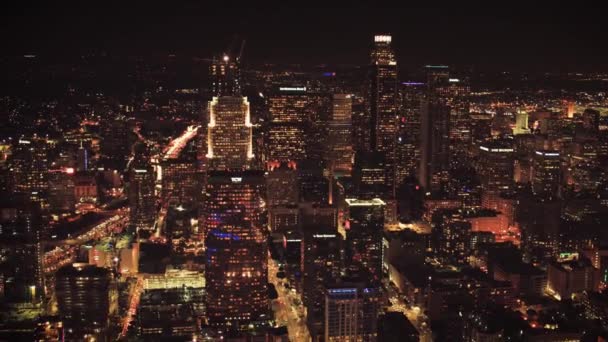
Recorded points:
(451, 235)
(142, 200)
(370, 175)
(361, 122)
(61, 195)
(84, 300)
(289, 124)
(434, 142)
(383, 102)
(29, 166)
(340, 154)
(495, 168)
(282, 186)
(351, 311)
(229, 136)
(320, 264)
(234, 194)
(408, 138)
(236, 275)
(568, 277)
(21, 277)
(437, 76)
(225, 76)
(521, 123)
(364, 226)
(546, 173)
(236, 252)
(115, 142)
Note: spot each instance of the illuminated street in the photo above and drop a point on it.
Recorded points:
(287, 311)
(135, 294)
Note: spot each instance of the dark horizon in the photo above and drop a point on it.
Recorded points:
(498, 39)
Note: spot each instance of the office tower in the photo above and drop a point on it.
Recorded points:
(29, 165)
(320, 263)
(408, 137)
(370, 175)
(539, 221)
(142, 200)
(521, 123)
(236, 275)
(236, 251)
(437, 76)
(61, 193)
(20, 232)
(361, 122)
(546, 173)
(282, 186)
(314, 185)
(351, 310)
(82, 158)
(591, 120)
(115, 142)
(434, 143)
(225, 76)
(572, 276)
(229, 133)
(364, 226)
(182, 178)
(451, 236)
(383, 103)
(234, 194)
(340, 154)
(495, 168)
(289, 124)
(84, 300)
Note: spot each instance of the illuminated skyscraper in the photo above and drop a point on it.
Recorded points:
(364, 226)
(383, 102)
(29, 166)
(408, 139)
(321, 263)
(22, 280)
(340, 137)
(521, 123)
(61, 195)
(236, 251)
(434, 142)
(225, 76)
(234, 194)
(352, 306)
(495, 168)
(288, 124)
(142, 200)
(546, 173)
(84, 300)
(229, 136)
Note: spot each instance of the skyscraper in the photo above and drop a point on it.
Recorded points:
(320, 264)
(236, 275)
(229, 137)
(225, 76)
(142, 200)
(236, 259)
(495, 168)
(340, 154)
(83, 298)
(289, 124)
(546, 173)
(383, 102)
(364, 226)
(434, 142)
(351, 310)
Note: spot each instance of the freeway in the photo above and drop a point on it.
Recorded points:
(288, 307)
(176, 145)
(135, 295)
(116, 221)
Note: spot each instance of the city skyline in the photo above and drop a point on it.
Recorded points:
(175, 176)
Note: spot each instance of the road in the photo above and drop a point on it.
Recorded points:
(288, 308)
(413, 314)
(133, 303)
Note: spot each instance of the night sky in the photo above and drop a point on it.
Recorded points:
(560, 39)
